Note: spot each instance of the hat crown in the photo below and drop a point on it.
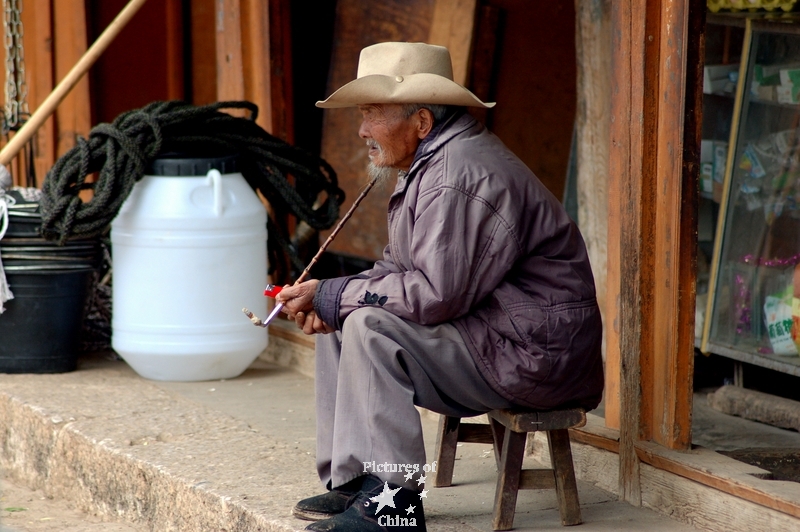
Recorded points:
(405, 59)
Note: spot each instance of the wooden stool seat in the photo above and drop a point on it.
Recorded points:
(507, 431)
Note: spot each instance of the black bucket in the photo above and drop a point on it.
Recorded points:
(40, 329)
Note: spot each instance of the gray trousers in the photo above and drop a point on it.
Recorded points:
(370, 375)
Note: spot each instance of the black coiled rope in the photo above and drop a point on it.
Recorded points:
(121, 151)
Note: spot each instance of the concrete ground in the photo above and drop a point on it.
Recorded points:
(103, 449)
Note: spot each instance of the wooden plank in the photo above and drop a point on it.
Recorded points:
(612, 311)
(675, 236)
(204, 72)
(704, 466)
(537, 479)
(280, 64)
(73, 116)
(446, 443)
(647, 176)
(595, 440)
(566, 487)
(726, 475)
(173, 15)
(592, 121)
(475, 433)
(228, 39)
(625, 199)
(38, 43)
(534, 118)
(709, 509)
(453, 25)
(256, 59)
(681, 482)
(484, 60)
(531, 421)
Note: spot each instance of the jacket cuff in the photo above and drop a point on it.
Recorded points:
(328, 298)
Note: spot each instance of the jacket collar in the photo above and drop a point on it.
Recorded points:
(450, 126)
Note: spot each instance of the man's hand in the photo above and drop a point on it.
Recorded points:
(298, 304)
(311, 323)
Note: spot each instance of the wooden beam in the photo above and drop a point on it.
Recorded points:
(228, 32)
(675, 267)
(38, 43)
(630, 160)
(256, 56)
(724, 474)
(204, 72)
(706, 467)
(173, 12)
(453, 26)
(73, 116)
(280, 73)
(592, 121)
(484, 59)
(653, 204)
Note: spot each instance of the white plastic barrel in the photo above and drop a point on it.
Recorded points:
(189, 250)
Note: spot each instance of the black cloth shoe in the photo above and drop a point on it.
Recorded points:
(328, 504)
(378, 507)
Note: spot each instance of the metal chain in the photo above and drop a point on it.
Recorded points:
(16, 88)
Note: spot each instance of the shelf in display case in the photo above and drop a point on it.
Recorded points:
(789, 365)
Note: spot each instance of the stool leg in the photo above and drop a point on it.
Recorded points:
(446, 443)
(505, 495)
(566, 487)
(498, 430)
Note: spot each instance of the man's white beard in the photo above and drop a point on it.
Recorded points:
(380, 174)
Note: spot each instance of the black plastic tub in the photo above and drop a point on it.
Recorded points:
(40, 329)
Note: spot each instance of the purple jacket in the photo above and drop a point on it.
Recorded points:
(476, 240)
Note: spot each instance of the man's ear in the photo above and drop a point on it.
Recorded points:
(425, 123)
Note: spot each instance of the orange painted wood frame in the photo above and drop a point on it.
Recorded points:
(652, 224)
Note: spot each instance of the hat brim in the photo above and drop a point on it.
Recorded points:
(415, 88)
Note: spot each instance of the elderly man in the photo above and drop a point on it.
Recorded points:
(484, 298)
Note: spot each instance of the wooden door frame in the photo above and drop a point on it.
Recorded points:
(653, 167)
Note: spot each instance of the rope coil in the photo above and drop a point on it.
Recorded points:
(121, 151)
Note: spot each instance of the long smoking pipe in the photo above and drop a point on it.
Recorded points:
(275, 311)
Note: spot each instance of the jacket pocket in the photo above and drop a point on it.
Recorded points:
(522, 323)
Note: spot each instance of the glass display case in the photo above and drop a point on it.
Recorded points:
(753, 308)
(724, 36)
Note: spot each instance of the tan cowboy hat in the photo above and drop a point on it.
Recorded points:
(403, 72)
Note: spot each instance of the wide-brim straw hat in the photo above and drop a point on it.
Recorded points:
(403, 72)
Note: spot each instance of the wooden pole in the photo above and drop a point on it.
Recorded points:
(592, 125)
(50, 103)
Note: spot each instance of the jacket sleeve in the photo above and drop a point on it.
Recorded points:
(329, 291)
(460, 250)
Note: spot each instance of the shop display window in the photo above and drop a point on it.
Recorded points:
(754, 282)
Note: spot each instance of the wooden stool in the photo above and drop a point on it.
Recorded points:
(507, 431)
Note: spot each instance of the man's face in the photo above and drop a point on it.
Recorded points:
(392, 138)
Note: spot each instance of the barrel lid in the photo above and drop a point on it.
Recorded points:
(176, 164)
